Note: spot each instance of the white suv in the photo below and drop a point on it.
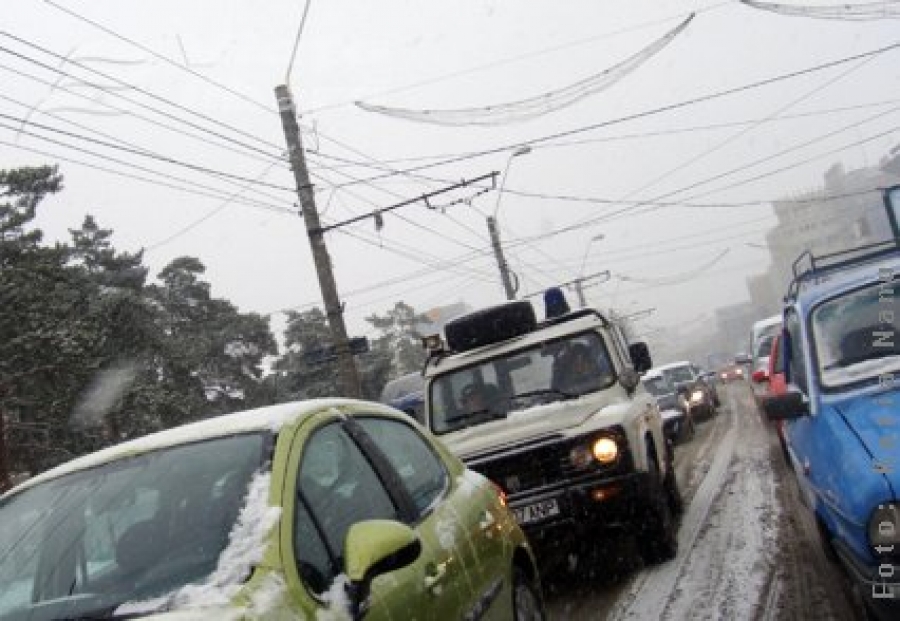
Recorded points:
(555, 414)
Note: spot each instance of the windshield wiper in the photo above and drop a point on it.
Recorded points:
(544, 391)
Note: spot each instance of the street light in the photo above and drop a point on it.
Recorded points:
(587, 250)
(494, 233)
(523, 150)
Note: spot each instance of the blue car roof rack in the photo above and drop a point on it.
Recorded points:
(817, 266)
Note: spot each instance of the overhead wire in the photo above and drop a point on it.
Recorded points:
(217, 193)
(137, 89)
(746, 130)
(644, 113)
(867, 11)
(537, 105)
(181, 131)
(120, 173)
(527, 55)
(184, 230)
(287, 74)
(141, 152)
(160, 56)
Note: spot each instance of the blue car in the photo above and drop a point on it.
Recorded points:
(841, 346)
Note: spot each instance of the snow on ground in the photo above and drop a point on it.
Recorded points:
(748, 549)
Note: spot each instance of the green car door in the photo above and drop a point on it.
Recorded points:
(342, 478)
(460, 516)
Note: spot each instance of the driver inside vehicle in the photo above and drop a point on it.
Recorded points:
(479, 400)
(578, 371)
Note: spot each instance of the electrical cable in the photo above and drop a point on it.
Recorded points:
(520, 57)
(140, 152)
(219, 194)
(209, 215)
(843, 12)
(537, 105)
(121, 141)
(137, 89)
(180, 131)
(644, 113)
(287, 74)
(159, 56)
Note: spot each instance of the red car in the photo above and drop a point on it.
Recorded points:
(777, 385)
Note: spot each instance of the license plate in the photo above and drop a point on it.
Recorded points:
(537, 512)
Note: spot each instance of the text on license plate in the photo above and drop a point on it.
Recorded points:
(537, 512)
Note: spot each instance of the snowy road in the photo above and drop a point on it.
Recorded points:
(747, 549)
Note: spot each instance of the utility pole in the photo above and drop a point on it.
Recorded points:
(333, 309)
(579, 289)
(501, 261)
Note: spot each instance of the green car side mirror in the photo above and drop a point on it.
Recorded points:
(373, 548)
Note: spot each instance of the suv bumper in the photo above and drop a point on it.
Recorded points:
(877, 585)
(589, 510)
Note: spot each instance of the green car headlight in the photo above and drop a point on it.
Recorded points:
(884, 529)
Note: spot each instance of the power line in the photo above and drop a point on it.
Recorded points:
(384, 164)
(537, 105)
(643, 114)
(287, 75)
(121, 141)
(139, 152)
(746, 130)
(159, 56)
(218, 195)
(179, 130)
(791, 149)
(210, 214)
(513, 59)
(137, 89)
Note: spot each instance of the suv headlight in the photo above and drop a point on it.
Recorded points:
(884, 529)
(603, 450)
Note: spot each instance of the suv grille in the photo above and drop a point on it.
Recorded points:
(543, 462)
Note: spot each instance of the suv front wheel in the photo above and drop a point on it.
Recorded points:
(657, 538)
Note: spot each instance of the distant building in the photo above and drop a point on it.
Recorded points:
(842, 214)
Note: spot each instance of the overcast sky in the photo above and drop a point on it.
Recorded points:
(441, 54)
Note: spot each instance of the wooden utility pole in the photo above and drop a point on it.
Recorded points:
(333, 308)
(505, 277)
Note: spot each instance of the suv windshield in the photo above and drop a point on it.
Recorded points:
(856, 337)
(129, 530)
(552, 371)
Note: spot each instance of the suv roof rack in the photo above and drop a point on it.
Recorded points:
(821, 265)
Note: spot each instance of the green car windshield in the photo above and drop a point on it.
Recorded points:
(128, 530)
(856, 337)
(562, 369)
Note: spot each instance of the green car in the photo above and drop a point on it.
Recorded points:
(327, 509)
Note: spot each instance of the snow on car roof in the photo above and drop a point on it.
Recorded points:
(271, 418)
(768, 321)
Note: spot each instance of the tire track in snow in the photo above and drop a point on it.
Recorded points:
(652, 591)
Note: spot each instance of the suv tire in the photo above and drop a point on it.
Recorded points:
(490, 325)
(658, 538)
